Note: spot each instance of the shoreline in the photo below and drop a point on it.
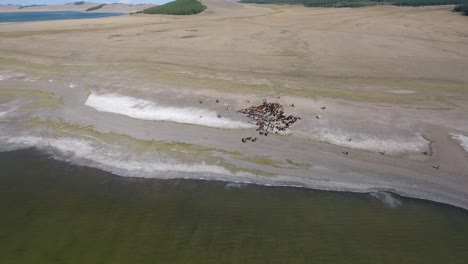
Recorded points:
(428, 194)
(107, 8)
(252, 181)
(145, 96)
(72, 15)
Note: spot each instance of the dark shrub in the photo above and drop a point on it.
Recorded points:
(177, 7)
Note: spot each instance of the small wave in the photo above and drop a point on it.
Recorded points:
(387, 198)
(234, 185)
(147, 110)
(5, 75)
(113, 158)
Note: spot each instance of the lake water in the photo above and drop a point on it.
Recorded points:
(8, 17)
(53, 212)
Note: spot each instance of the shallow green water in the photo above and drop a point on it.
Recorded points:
(56, 213)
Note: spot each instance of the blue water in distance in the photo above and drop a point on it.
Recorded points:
(6, 17)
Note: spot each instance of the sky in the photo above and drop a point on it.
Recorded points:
(59, 2)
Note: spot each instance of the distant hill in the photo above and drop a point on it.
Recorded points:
(177, 7)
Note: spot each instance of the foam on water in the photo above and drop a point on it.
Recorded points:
(387, 198)
(31, 79)
(370, 142)
(234, 185)
(462, 140)
(68, 146)
(112, 158)
(148, 110)
(5, 75)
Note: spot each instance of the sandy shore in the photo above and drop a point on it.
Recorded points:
(123, 94)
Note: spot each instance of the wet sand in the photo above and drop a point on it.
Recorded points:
(123, 94)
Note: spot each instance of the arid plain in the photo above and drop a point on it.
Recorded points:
(136, 95)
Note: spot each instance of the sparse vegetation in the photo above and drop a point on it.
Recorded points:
(426, 2)
(95, 7)
(177, 7)
(37, 99)
(357, 3)
(80, 3)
